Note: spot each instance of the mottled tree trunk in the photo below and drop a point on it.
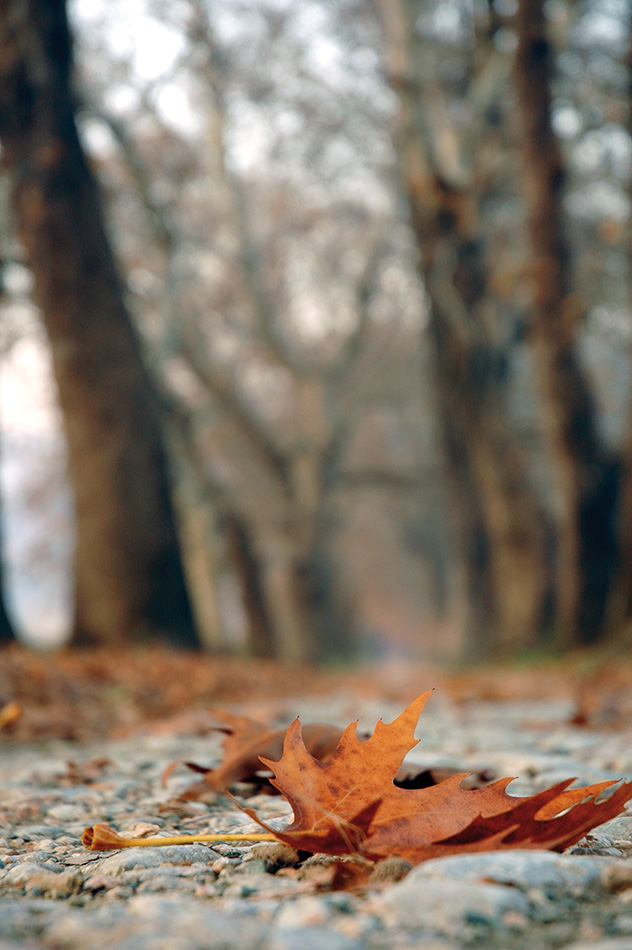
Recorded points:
(244, 562)
(587, 475)
(619, 613)
(292, 599)
(619, 608)
(128, 576)
(501, 526)
(305, 612)
(288, 618)
(7, 634)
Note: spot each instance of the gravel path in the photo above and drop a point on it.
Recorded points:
(54, 894)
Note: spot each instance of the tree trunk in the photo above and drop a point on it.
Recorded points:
(331, 609)
(619, 613)
(245, 562)
(501, 526)
(587, 474)
(7, 634)
(619, 607)
(198, 545)
(292, 600)
(306, 618)
(128, 576)
(288, 620)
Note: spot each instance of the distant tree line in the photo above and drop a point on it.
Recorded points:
(558, 573)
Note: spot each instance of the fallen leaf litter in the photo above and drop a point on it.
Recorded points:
(346, 803)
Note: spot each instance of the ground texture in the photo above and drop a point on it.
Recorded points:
(92, 736)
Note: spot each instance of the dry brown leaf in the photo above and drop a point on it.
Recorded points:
(246, 742)
(349, 804)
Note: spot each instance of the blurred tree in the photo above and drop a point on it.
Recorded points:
(266, 410)
(7, 633)
(459, 146)
(128, 578)
(6, 628)
(452, 176)
(249, 179)
(586, 470)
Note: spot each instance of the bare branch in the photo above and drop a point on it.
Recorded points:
(162, 228)
(190, 344)
(225, 391)
(364, 292)
(201, 36)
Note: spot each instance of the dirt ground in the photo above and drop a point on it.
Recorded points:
(88, 694)
(135, 717)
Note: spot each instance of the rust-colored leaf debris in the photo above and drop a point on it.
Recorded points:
(9, 714)
(349, 804)
(246, 741)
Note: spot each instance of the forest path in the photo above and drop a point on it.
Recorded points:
(54, 893)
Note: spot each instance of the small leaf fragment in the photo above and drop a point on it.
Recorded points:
(9, 714)
(246, 740)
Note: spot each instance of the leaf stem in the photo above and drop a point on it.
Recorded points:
(104, 838)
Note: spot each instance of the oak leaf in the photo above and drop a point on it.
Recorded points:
(246, 742)
(349, 804)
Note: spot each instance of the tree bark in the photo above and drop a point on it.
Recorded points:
(245, 563)
(587, 473)
(619, 612)
(287, 617)
(332, 611)
(501, 525)
(303, 610)
(128, 576)
(7, 633)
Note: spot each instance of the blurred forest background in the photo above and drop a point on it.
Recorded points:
(316, 325)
